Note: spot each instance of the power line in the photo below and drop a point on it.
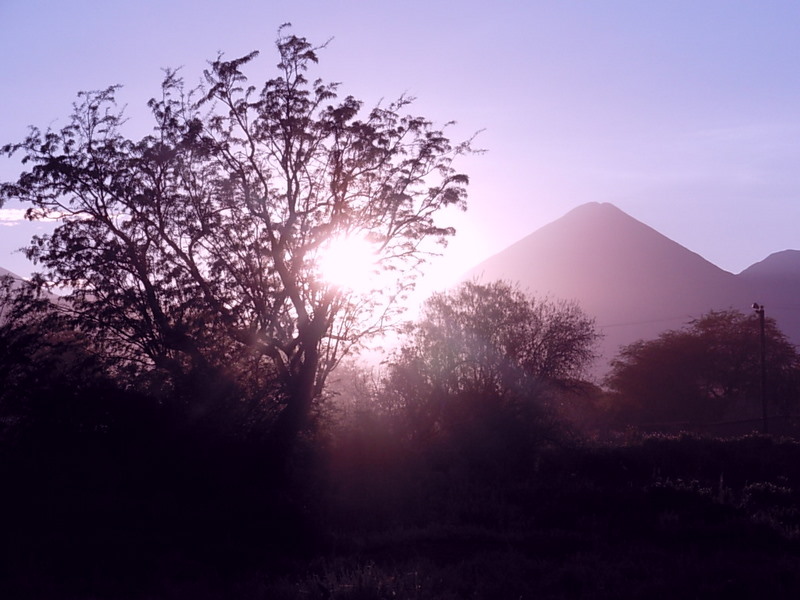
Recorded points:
(688, 318)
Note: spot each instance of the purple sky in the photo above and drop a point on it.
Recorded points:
(685, 114)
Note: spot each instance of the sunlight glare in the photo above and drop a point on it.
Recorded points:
(349, 263)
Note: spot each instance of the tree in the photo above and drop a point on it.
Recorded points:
(704, 372)
(489, 346)
(196, 249)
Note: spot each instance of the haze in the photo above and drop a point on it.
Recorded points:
(684, 114)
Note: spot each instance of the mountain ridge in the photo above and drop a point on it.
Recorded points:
(635, 281)
(4, 272)
(778, 263)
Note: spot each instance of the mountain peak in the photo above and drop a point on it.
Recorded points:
(596, 209)
(593, 212)
(587, 253)
(631, 278)
(785, 263)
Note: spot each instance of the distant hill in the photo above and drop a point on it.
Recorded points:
(775, 282)
(4, 272)
(15, 284)
(18, 281)
(635, 281)
(780, 265)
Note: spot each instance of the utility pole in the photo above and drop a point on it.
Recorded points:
(759, 308)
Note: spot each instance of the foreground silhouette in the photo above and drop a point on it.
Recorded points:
(193, 256)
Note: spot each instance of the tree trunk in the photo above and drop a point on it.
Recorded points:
(293, 419)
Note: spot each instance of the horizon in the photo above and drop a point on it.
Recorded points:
(430, 283)
(450, 279)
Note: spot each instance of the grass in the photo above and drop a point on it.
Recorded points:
(657, 517)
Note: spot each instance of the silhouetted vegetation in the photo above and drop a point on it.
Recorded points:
(194, 254)
(168, 429)
(120, 491)
(485, 358)
(706, 372)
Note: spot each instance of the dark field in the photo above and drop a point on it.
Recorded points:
(366, 517)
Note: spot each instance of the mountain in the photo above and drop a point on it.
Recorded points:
(16, 281)
(4, 272)
(780, 265)
(635, 281)
(775, 283)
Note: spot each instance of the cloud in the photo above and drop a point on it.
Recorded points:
(9, 217)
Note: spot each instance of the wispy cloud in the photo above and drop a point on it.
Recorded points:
(9, 217)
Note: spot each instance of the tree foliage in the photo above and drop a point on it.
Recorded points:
(488, 345)
(707, 371)
(195, 250)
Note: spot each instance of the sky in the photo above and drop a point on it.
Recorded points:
(684, 114)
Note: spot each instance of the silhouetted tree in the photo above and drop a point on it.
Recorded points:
(196, 249)
(488, 349)
(707, 371)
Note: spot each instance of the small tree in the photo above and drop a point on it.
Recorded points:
(489, 346)
(705, 372)
(196, 250)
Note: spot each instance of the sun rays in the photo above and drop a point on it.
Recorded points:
(349, 263)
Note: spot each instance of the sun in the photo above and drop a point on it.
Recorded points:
(349, 262)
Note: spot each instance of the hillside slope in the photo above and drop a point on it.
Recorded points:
(635, 281)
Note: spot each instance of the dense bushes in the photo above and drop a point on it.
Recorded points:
(115, 490)
(708, 371)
